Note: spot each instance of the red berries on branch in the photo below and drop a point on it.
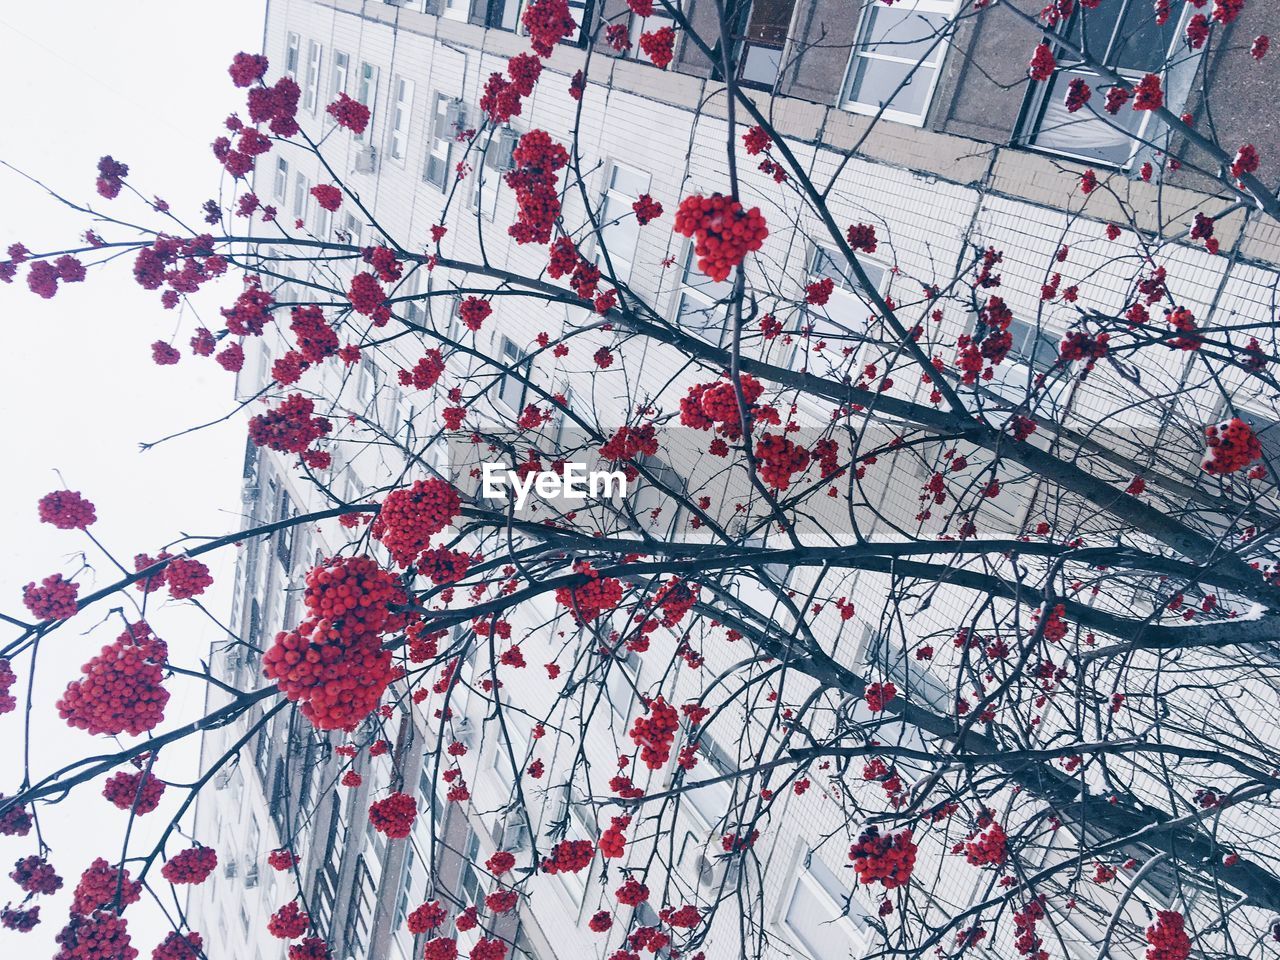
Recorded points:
(411, 516)
(99, 886)
(349, 113)
(121, 690)
(591, 599)
(1042, 63)
(879, 695)
(54, 599)
(989, 848)
(425, 918)
(247, 69)
(569, 856)
(659, 46)
(289, 922)
(177, 946)
(473, 311)
(547, 23)
(96, 936)
(1232, 446)
(191, 866)
(328, 196)
(111, 174)
(290, 427)
(654, 734)
(538, 161)
(394, 815)
(139, 792)
(887, 860)
(35, 876)
(1168, 937)
(724, 232)
(66, 510)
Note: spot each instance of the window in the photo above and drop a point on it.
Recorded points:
(353, 228)
(293, 44)
(622, 681)
(442, 134)
(619, 230)
(512, 390)
(1032, 345)
(814, 916)
(700, 307)
(487, 179)
(367, 90)
(761, 42)
(581, 11)
(651, 24)
(311, 85)
(842, 321)
(301, 196)
(500, 14)
(280, 186)
(897, 58)
(338, 74)
(401, 111)
(457, 10)
(1130, 42)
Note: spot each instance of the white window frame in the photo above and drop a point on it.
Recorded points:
(846, 291)
(367, 91)
(441, 144)
(311, 86)
(459, 10)
(810, 887)
(292, 54)
(510, 355)
(301, 195)
(280, 183)
(624, 211)
(339, 74)
(637, 25)
(401, 117)
(354, 228)
(944, 7)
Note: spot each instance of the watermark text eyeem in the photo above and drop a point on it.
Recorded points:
(573, 482)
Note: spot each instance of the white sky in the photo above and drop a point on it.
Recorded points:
(146, 82)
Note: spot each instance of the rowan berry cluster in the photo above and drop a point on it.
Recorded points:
(66, 510)
(632, 892)
(1148, 95)
(177, 946)
(411, 516)
(95, 936)
(425, 372)
(394, 815)
(879, 695)
(885, 859)
(629, 443)
(335, 664)
(646, 209)
(659, 46)
(290, 427)
(473, 311)
(53, 599)
(547, 23)
(19, 919)
(187, 578)
(709, 404)
(14, 821)
(1168, 937)
(444, 566)
(248, 316)
(780, 458)
(190, 866)
(989, 848)
(139, 792)
(654, 734)
(1079, 345)
(1028, 943)
(723, 231)
(441, 948)
(315, 338)
(538, 160)
(368, 298)
(568, 856)
(283, 859)
(328, 196)
(289, 922)
(591, 599)
(121, 690)
(1042, 63)
(1078, 94)
(613, 841)
(8, 703)
(349, 113)
(35, 875)
(1232, 446)
(425, 918)
(98, 888)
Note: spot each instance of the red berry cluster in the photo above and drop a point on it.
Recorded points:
(411, 516)
(568, 856)
(1078, 94)
(501, 901)
(1042, 63)
(473, 311)
(66, 510)
(600, 921)
(328, 196)
(283, 859)
(1028, 943)
(394, 815)
(659, 46)
(861, 236)
(1232, 446)
(780, 459)
(1079, 345)
(538, 160)
(368, 298)
(289, 922)
(121, 690)
(425, 372)
(488, 948)
(177, 946)
(315, 338)
(248, 316)
(111, 174)
(15, 821)
(756, 141)
(7, 679)
(443, 566)
(676, 598)
(724, 232)
(441, 948)
(190, 866)
(1148, 95)
(547, 23)
(990, 847)
(646, 209)
(879, 695)
(1168, 937)
(54, 599)
(290, 427)
(95, 936)
(632, 892)
(613, 841)
(187, 578)
(164, 355)
(591, 599)
(655, 733)
(36, 875)
(887, 859)
(709, 404)
(425, 918)
(349, 113)
(98, 888)
(139, 792)
(631, 442)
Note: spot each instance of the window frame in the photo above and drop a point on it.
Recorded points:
(610, 193)
(367, 87)
(439, 117)
(280, 181)
(808, 884)
(311, 84)
(402, 89)
(847, 102)
(292, 54)
(339, 74)
(510, 355)
(301, 196)
(846, 286)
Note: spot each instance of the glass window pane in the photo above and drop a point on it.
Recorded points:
(628, 182)
(1141, 44)
(904, 33)
(874, 83)
(1086, 133)
(761, 64)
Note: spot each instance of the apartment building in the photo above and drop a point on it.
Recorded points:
(963, 158)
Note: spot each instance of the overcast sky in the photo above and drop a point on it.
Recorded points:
(146, 82)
